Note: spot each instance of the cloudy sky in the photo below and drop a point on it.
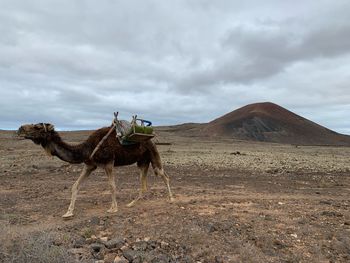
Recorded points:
(73, 62)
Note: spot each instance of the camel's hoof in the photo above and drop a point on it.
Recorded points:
(68, 215)
(112, 210)
(171, 199)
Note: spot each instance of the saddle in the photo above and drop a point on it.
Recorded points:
(136, 131)
(128, 133)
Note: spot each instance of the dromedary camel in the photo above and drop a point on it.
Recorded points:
(111, 153)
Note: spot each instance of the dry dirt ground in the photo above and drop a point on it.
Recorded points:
(235, 202)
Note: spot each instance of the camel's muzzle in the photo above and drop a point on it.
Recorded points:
(22, 134)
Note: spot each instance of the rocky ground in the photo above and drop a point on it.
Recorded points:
(235, 202)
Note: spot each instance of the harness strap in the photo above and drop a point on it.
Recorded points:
(102, 141)
(106, 136)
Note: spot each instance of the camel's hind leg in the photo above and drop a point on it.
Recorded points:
(143, 180)
(75, 188)
(109, 171)
(165, 177)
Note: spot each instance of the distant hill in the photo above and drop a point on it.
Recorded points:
(271, 123)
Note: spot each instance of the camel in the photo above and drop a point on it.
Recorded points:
(109, 154)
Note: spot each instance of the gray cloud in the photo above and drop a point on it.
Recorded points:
(73, 63)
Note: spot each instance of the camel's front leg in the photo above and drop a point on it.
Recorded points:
(84, 174)
(111, 179)
(143, 188)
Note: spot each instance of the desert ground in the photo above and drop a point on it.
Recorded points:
(235, 201)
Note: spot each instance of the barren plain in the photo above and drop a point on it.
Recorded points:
(236, 201)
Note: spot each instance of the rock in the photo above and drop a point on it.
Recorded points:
(268, 218)
(109, 258)
(220, 259)
(152, 244)
(115, 243)
(104, 239)
(331, 213)
(162, 258)
(130, 254)
(164, 244)
(279, 244)
(98, 250)
(94, 220)
(77, 251)
(211, 228)
(119, 259)
(79, 242)
(325, 202)
(97, 246)
(141, 245)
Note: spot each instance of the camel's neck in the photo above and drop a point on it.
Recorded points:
(66, 152)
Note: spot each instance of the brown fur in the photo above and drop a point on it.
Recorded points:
(111, 153)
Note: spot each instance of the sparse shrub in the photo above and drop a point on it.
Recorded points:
(87, 232)
(40, 247)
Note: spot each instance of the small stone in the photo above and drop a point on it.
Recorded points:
(119, 259)
(163, 244)
(109, 258)
(147, 239)
(211, 228)
(325, 202)
(141, 245)
(97, 246)
(125, 247)
(78, 243)
(104, 239)
(331, 213)
(152, 244)
(220, 259)
(115, 243)
(294, 235)
(278, 244)
(130, 254)
(98, 250)
(95, 220)
(161, 258)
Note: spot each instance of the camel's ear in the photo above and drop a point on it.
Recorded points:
(49, 126)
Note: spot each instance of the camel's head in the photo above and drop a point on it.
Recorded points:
(36, 132)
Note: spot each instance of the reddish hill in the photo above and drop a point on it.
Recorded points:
(270, 122)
